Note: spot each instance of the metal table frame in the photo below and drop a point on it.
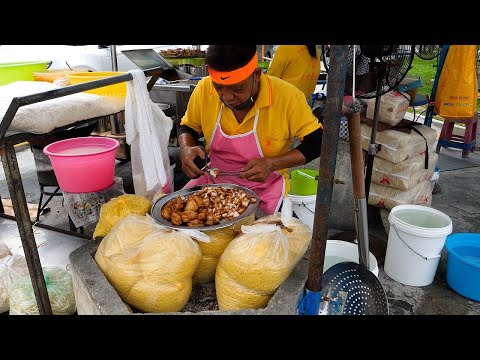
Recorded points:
(14, 180)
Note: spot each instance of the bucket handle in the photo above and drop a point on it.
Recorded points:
(428, 257)
(306, 207)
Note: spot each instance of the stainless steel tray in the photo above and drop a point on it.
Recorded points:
(158, 205)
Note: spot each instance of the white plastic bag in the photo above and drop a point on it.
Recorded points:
(147, 131)
(12, 267)
(4, 250)
(149, 265)
(258, 261)
(60, 292)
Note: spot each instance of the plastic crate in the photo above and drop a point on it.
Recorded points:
(20, 71)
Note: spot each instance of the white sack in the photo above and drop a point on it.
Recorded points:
(45, 116)
(405, 174)
(397, 146)
(388, 197)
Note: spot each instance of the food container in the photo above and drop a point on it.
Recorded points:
(301, 182)
(264, 65)
(20, 71)
(118, 90)
(52, 75)
(185, 193)
(83, 164)
(463, 264)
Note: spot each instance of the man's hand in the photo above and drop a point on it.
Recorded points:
(187, 155)
(257, 169)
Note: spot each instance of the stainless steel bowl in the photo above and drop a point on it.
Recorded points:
(158, 205)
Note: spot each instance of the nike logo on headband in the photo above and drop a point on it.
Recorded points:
(225, 78)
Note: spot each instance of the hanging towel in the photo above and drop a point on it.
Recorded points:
(147, 131)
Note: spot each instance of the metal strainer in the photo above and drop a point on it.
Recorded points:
(349, 288)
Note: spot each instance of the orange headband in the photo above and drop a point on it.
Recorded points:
(234, 76)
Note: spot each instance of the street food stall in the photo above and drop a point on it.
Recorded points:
(99, 106)
(182, 212)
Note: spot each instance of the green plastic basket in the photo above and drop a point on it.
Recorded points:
(263, 65)
(301, 184)
(20, 71)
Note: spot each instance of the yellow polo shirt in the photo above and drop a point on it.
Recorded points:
(284, 114)
(294, 64)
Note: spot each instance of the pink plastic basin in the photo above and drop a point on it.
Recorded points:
(83, 164)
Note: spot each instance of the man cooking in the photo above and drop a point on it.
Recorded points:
(248, 120)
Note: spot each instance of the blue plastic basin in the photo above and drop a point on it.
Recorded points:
(463, 264)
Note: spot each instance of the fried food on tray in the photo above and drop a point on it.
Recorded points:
(180, 52)
(207, 207)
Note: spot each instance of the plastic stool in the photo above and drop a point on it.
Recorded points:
(420, 100)
(466, 142)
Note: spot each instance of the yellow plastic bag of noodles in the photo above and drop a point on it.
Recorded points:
(258, 261)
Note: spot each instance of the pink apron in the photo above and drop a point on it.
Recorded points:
(234, 152)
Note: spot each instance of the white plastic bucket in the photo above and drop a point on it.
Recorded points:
(338, 251)
(304, 208)
(415, 242)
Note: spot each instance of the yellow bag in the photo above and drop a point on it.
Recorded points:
(117, 209)
(258, 261)
(219, 239)
(457, 88)
(149, 265)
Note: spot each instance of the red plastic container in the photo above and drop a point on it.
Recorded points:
(83, 164)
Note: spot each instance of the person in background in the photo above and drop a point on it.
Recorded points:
(299, 65)
(248, 120)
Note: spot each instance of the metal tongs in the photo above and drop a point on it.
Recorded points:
(211, 171)
(214, 172)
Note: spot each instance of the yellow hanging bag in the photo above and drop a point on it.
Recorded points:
(457, 89)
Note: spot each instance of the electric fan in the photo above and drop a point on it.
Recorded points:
(378, 69)
(325, 56)
(428, 52)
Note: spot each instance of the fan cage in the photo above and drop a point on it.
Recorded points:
(428, 52)
(387, 63)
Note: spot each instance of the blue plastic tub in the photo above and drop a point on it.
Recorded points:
(463, 264)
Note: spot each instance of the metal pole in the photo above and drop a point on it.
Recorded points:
(113, 52)
(372, 148)
(430, 108)
(328, 159)
(19, 202)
